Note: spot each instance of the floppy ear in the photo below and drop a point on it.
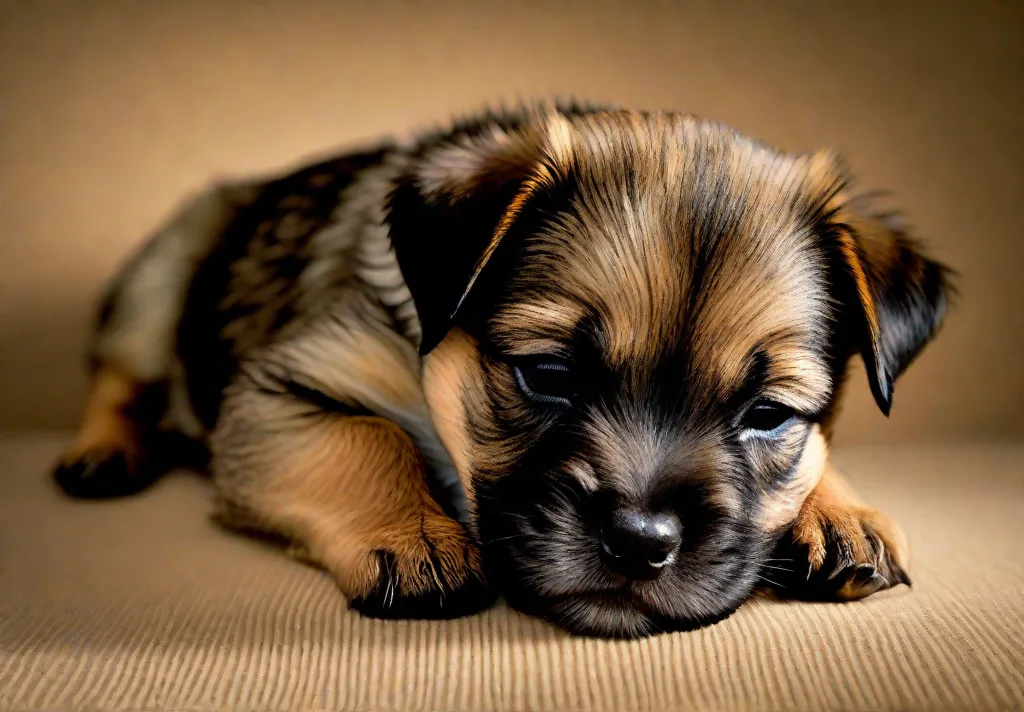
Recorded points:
(899, 294)
(450, 210)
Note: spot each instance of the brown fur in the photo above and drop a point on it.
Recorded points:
(451, 377)
(382, 321)
(834, 517)
(348, 488)
(782, 507)
(106, 425)
(711, 239)
(638, 281)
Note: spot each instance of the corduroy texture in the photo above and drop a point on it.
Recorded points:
(144, 604)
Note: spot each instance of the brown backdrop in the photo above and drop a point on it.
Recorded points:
(112, 109)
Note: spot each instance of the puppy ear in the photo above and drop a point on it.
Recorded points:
(899, 294)
(453, 206)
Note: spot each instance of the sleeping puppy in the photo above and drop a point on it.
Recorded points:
(585, 358)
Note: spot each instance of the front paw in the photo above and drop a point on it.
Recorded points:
(837, 551)
(389, 599)
(435, 576)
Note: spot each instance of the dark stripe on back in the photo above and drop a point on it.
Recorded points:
(249, 281)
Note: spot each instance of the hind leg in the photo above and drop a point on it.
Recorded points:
(108, 457)
(133, 352)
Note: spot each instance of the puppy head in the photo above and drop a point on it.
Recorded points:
(634, 327)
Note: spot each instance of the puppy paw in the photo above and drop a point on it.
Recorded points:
(837, 551)
(102, 473)
(390, 600)
(436, 576)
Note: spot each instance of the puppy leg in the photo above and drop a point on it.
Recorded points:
(842, 550)
(106, 458)
(132, 351)
(347, 488)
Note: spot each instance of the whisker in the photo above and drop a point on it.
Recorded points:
(504, 538)
(769, 581)
(778, 568)
(513, 514)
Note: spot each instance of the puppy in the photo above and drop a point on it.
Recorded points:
(585, 358)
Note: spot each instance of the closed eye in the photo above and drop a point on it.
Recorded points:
(546, 381)
(767, 419)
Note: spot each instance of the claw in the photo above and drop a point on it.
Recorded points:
(861, 581)
(903, 577)
(387, 601)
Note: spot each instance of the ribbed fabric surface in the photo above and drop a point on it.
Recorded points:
(143, 604)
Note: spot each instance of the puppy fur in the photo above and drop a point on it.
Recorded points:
(359, 342)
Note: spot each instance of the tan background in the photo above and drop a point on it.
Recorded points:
(111, 110)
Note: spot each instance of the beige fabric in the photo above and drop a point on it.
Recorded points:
(143, 604)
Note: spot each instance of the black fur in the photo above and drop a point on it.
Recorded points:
(438, 247)
(209, 357)
(710, 240)
(825, 583)
(910, 295)
(439, 242)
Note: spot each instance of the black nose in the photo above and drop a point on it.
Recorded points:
(639, 545)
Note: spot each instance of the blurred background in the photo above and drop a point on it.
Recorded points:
(112, 110)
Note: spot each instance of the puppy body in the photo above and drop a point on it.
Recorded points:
(557, 338)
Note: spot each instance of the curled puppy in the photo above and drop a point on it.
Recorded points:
(584, 358)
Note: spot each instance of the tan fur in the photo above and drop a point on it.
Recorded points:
(719, 494)
(348, 487)
(537, 327)
(106, 427)
(451, 373)
(804, 376)
(584, 474)
(781, 507)
(341, 486)
(637, 279)
(664, 275)
(834, 503)
(561, 139)
(849, 251)
(453, 169)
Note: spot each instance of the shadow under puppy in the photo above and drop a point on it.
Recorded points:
(611, 343)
